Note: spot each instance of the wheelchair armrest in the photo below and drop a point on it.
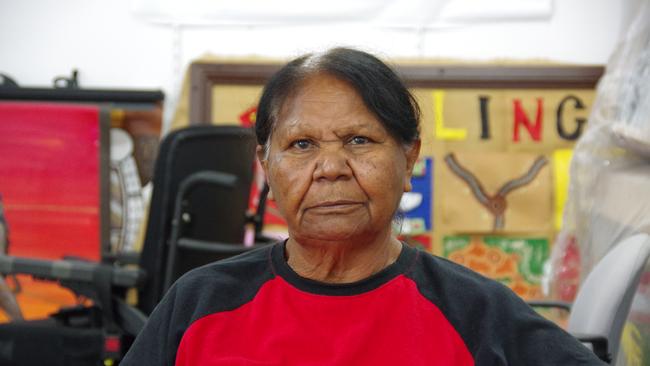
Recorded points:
(550, 304)
(70, 271)
(124, 258)
(597, 343)
(94, 280)
(75, 258)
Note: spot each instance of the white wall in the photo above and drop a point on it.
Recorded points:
(41, 39)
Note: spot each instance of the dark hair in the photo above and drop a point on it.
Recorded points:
(382, 91)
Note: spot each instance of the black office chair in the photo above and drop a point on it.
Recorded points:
(198, 214)
(202, 182)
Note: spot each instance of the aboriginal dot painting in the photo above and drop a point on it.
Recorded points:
(516, 262)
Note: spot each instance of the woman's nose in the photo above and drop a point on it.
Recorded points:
(332, 164)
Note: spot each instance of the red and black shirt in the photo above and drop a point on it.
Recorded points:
(254, 309)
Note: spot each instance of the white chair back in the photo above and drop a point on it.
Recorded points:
(604, 299)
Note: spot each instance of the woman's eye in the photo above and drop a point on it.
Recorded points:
(359, 140)
(301, 144)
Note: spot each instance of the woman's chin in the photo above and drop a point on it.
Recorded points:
(338, 235)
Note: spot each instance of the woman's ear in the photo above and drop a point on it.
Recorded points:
(269, 196)
(412, 153)
(261, 157)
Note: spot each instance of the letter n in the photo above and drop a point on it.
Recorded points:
(535, 130)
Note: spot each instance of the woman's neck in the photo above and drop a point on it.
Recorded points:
(342, 263)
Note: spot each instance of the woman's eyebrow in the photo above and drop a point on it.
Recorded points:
(353, 129)
(296, 127)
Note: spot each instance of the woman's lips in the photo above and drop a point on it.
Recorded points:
(339, 206)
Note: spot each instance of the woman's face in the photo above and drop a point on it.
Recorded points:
(334, 170)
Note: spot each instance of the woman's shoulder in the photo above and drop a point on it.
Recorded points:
(239, 268)
(460, 293)
(480, 309)
(225, 284)
(438, 272)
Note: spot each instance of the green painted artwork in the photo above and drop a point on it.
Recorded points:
(516, 262)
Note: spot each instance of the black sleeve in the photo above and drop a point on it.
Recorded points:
(497, 326)
(158, 341)
(526, 338)
(216, 287)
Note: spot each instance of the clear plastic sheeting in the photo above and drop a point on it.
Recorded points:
(609, 193)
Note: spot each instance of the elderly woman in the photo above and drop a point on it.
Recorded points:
(338, 138)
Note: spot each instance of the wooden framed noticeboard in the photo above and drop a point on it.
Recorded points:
(496, 144)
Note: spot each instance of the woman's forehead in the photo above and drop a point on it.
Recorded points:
(324, 103)
(320, 90)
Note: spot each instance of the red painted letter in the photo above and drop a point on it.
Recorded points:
(535, 130)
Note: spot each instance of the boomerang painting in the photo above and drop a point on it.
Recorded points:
(497, 192)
